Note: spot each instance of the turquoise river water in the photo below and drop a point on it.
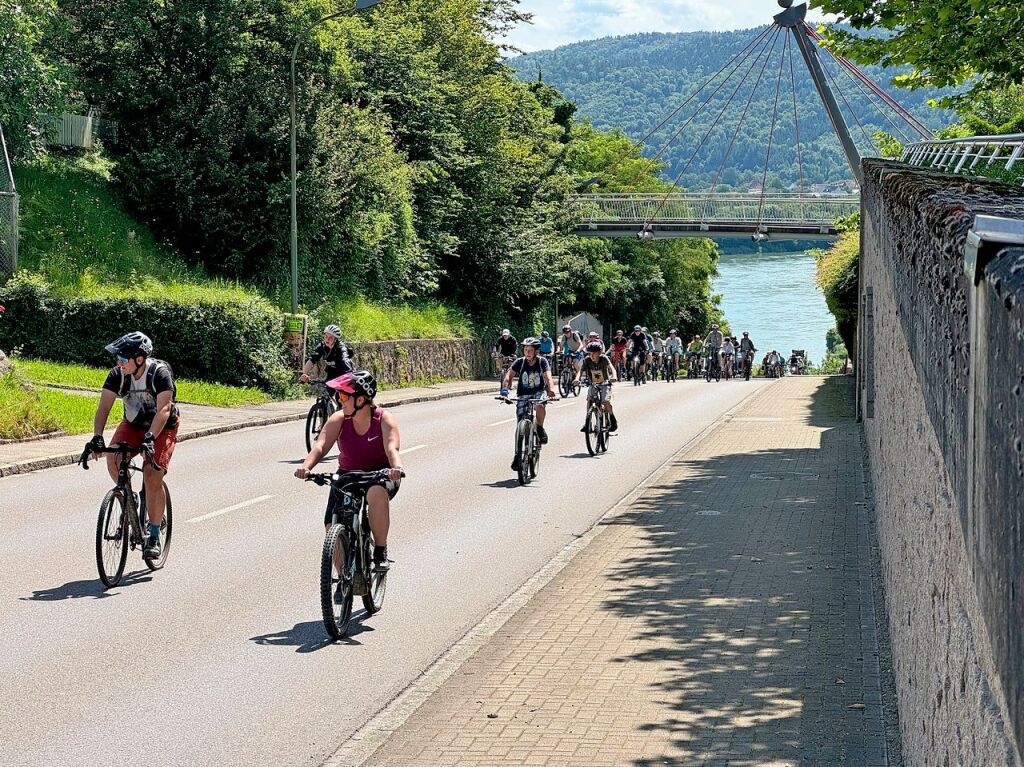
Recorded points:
(774, 296)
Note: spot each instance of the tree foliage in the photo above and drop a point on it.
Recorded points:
(35, 84)
(945, 42)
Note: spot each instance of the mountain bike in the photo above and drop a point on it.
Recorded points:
(713, 365)
(671, 368)
(527, 441)
(346, 562)
(567, 383)
(319, 412)
(597, 427)
(506, 363)
(656, 366)
(123, 522)
(727, 366)
(636, 369)
(746, 364)
(693, 366)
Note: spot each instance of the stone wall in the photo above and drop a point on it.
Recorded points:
(397, 363)
(950, 525)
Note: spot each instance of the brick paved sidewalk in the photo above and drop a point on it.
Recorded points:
(727, 617)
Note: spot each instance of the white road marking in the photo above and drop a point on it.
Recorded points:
(499, 423)
(413, 449)
(229, 509)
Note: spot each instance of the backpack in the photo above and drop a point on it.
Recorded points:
(126, 385)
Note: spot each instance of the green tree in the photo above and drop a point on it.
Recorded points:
(35, 83)
(945, 42)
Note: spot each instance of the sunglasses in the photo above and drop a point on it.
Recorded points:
(122, 360)
(344, 397)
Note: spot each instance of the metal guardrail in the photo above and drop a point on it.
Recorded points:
(697, 208)
(964, 155)
(8, 214)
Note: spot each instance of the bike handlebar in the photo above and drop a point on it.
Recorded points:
(324, 479)
(119, 449)
(534, 397)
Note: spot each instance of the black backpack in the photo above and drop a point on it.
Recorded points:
(125, 386)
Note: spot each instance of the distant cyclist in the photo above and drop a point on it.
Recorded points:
(571, 345)
(367, 440)
(619, 344)
(747, 350)
(533, 379)
(332, 352)
(638, 350)
(728, 351)
(693, 349)
(598, 368)
(674, 347)
(547, 346)
(657, 349)
(594, 338)
(146, 387)
(505, 349)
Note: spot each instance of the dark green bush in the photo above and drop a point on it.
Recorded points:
(228, 341)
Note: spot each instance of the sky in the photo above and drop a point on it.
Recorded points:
(560, 22)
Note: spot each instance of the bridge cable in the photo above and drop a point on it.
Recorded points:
(771, 138)
(856, 118)
(657, 156)
(796, 118)
(873, 88)
(743, 115)
(675, 183)
(853, 69)
(635, 144)
(868, 95)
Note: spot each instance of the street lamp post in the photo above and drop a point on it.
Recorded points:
(361, 5)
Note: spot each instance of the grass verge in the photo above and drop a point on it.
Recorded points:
(86, 377)
(74, 413)
(361, 320)
(21, 413)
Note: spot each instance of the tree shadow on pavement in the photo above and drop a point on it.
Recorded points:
(311, 636)
(93, 588)
(746, 602)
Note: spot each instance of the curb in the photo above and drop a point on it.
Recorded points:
(369, 738)
(66, 459)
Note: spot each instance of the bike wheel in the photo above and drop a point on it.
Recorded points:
(565, 381)
(592, 430)
(576, 386)
(523, 451)
(315, 421)
(602, 431)
(335, 583)
(111, 539)
(373, 599)
(165, 528)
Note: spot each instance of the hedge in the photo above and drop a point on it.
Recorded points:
(230, 341)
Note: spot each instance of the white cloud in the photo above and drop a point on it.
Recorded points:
(560, 22)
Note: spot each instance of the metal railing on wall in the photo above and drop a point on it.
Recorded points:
(8, 214)
(704, 207)
(974, 154)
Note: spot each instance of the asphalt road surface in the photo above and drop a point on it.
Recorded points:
(221, 658)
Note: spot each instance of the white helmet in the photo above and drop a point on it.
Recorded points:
(333, 330)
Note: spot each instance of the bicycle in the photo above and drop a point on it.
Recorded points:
(597, 427)
(655, 366)
(671, 367)
(506, 363)
(694, 366)
(746, 364)
(123, 521)
(527, 442)
(635, 374)
(319, 412)
(567, 383)
(727, 366)
(346, 562)
(712, 367)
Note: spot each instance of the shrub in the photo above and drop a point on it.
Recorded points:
(361, 320)
(227, 339)
(837, 277)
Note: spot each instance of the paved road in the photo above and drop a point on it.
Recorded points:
(220, 659)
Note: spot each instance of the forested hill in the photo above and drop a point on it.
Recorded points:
(632, 82)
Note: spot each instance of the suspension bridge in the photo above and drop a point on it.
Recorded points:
(762, 214)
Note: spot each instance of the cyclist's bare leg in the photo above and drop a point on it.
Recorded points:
(112, 460)
(155, 500)
(541, 412)
(379, 512)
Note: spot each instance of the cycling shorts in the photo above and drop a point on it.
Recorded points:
(163, 445)
(334, 499)
(600, 392)
(570, 353)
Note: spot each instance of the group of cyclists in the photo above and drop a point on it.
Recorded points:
(366, 435)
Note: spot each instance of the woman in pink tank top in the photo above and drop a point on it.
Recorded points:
(367, 439)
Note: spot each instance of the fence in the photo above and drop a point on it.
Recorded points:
(976, 154)
(700, 208)
(81, 130)
(8, 214)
